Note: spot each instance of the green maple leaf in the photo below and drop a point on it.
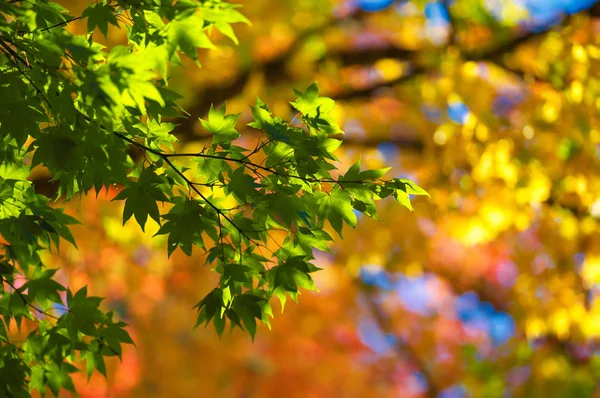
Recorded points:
(316, 238)
(402, 189)
(185, 224)
(337, 208)
(187, 35)
(210, 307)
(247, 308)
(222, 126)
(354, 173)
(141, 198)
(309, 102)
(100, 15)
(410, 187)
(44, 288)
(243, 185)
(222, 18)
(294, 273)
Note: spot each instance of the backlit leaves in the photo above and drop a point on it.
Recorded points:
(186, 34)
(100, 15)
(185, 223)
(95, 118)
(222, 126)
(141, 198)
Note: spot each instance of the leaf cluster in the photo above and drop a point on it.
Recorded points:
(77, 109)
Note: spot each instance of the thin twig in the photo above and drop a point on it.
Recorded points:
(61, 24)
(41, 311)
(16, 64)
(195, 189)
(247, 164)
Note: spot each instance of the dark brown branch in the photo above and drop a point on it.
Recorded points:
(496, 52)
(493, 54)
(406, 143)
(273, 69)
(402, 349)
(453, 23)
(367, 92)
(352, 57)
(521, 74)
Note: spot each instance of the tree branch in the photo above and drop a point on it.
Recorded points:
(248, 164)
(273, 69)
(60, 24)
(369, 56)
(26, 302)
(496, 52)
(192, 185)
(492, 54)
(452, 22)
(401, 348)
(367, 92)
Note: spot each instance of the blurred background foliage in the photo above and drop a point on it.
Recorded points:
(490, 289)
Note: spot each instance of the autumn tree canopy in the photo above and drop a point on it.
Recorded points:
(97, 117)
(488, 289)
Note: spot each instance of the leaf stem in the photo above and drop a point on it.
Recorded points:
(41, 311)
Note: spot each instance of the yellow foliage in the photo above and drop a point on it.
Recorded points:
(579, 53)
(482, 132)
(390, 69)
(551, 111)
(590, 325)
(474, 232)
(576, 91)
(440, 137)
(414, 269)
(522, 221)
(131, 232)
(569, 227)
(535, 327)
(470, 69)
(591, 270)
(497, 217)
(553, 367)
(560, 323)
